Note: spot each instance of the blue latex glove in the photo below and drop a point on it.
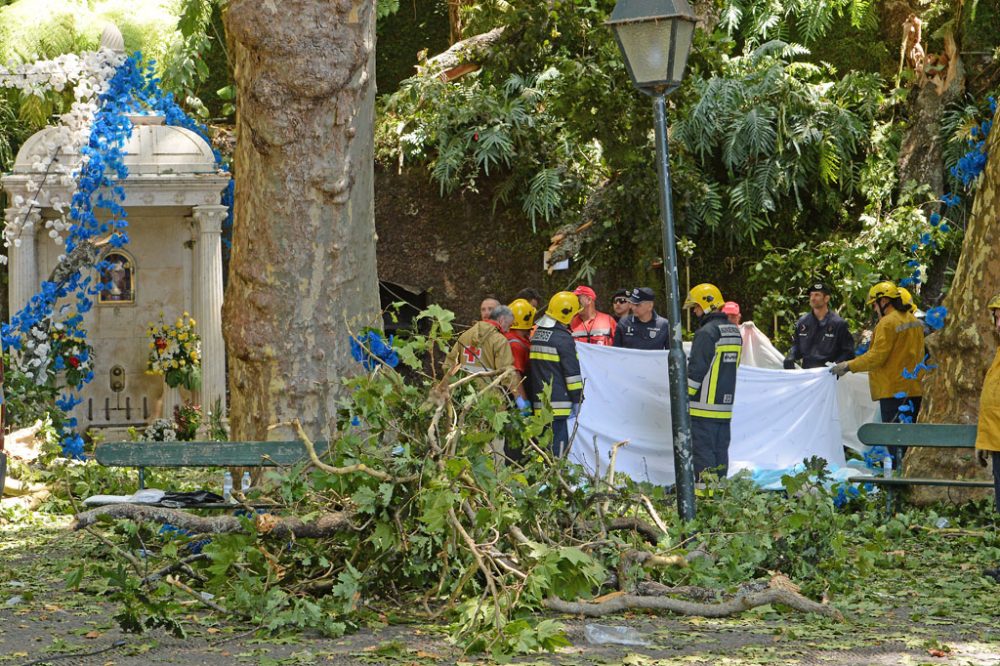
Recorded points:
(523, 405)
(574, 410)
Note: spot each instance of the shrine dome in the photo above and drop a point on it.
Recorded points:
(153, 149)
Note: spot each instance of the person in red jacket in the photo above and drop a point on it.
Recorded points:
(519, 335)
(597, 328)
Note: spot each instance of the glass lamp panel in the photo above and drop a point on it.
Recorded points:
(682, 47)
(646, 46)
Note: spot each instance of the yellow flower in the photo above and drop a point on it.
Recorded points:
(183, 363)
(152, 345)
(182, 336)
(191, 322)
(178, 323)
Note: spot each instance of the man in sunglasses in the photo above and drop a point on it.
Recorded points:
(620, 305)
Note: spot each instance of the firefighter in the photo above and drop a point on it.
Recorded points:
(715, 356)
(591, 325)
(988, 429)
(553, 362)
(897, 345)
(821, 335)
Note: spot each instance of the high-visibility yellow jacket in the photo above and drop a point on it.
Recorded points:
(988, 433)
(898, 344)
(481, 348)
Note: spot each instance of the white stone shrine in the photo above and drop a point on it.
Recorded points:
(171, 265)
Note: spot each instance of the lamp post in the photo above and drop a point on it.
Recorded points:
(655, 38)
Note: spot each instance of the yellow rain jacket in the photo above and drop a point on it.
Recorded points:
(898, 343)
(988, 434)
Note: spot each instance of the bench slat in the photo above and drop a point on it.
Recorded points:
(901, 481)
(202, 454)
(944, 435)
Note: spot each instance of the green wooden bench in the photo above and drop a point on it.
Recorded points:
(933, 435)
(202, 454)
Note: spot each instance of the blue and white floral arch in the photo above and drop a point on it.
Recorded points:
(108, 87)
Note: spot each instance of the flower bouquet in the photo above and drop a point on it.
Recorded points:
(71, 354)
(175, 353)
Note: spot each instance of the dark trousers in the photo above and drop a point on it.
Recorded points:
(996, 480)
(890, 414)
(560, 436)
(710, 440)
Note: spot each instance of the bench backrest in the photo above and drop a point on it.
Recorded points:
(203, 454)
(945, 435)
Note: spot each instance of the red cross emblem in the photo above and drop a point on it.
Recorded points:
(472, 354)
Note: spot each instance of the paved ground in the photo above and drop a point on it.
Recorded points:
(51, 622)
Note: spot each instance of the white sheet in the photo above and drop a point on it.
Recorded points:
(780, 416)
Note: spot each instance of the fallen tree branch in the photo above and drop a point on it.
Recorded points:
(647, 531)
(350, 469)
(654, 560)
(774, 595)
(180, 565)
(651, 588)
(467, 51)
(194, 595)
(724, 609)
(327, 524)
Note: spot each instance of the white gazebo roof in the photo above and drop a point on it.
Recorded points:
(167, 166)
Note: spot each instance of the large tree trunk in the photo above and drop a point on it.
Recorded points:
(964, 348)
(302, 274)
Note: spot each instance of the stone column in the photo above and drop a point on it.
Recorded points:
(23, 263)
(208, 268)
(171, 398)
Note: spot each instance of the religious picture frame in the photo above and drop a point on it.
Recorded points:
(118, 279)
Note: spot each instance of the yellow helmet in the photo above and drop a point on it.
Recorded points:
(994, 303)
(884, 289)
(706, 295)
(906, 297)
(524, 314)
(563, 306)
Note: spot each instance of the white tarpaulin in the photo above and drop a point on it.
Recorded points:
(780, 416)
(856, 405)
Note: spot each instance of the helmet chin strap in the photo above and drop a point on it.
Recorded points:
(881, 307)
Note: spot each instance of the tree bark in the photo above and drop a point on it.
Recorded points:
(964, 348)
(303, 273)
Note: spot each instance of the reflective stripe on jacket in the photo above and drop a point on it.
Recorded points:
(715, 356)
(520, 348)
(598, 331)
(988, 431)
(898, 344)
(553, 362)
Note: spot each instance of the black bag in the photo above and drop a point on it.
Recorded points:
(177, 500)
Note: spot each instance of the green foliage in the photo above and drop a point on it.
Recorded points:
(759, 21)
(441, 525)
(772, 140)
(851, 262)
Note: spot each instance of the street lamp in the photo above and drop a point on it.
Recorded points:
(655, 38)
